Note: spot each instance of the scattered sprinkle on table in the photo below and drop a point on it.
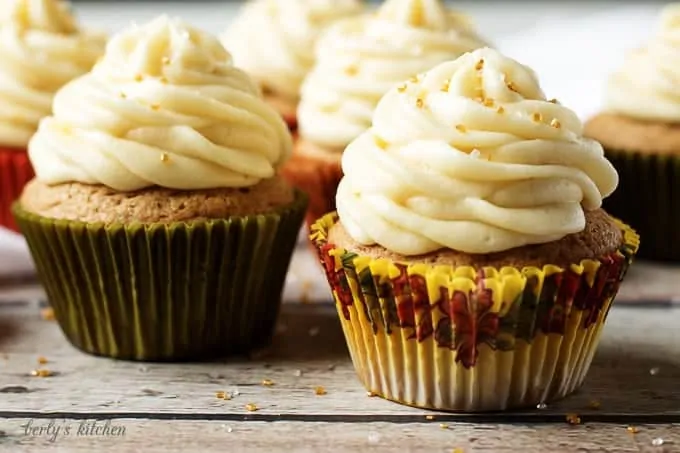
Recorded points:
(319, 390)
(41, 373)
(573, 419)
(267, 382)
(251, 407)
(42, 360)
(47, 314)
(632, 430)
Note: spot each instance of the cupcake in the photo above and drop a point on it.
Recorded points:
(156, 210)
(639, 129)
(470, 261)
(41, 48)
(358, 61)
(274, 41)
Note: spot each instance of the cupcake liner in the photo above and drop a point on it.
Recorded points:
(15, 172)
(161, 292)
(465, 339)
(648, 198)
(318, 178)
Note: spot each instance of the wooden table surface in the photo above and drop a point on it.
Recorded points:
(631, 400)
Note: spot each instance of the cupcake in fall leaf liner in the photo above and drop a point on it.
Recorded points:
(639, 129)
(159, 227)
(273, 40)
(471, 264)
(358, 61)
(41, 48)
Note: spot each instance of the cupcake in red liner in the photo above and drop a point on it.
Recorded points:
(157, 221)
(274, 42)
(358, 60)
(41, 48)
(470, 261)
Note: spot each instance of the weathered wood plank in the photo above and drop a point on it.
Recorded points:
(155, 436)
(635, 372)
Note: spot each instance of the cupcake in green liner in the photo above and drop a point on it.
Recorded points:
(470, 261)
(639, 128)
(159, 227)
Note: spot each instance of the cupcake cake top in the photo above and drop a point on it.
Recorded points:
(164, 107)
(360, 59)
(41, 48)
(274, 39)
(470, 156)
(647, 86)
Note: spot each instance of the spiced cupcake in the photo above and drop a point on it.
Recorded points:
(159, 227)
(639, 128)
(42, 47)
(470, 261)
(358, 61)
(274, 41)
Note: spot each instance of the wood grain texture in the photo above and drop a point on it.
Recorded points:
(153, 436)
(635, 374)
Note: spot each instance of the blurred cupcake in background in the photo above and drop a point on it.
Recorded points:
(639, 128)
(358, 61)
(273, 40)
(470, 261)
(42, 47)
(159, 227)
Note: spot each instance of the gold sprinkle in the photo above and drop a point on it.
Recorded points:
(123, 96)
(371, 394)
(429, 417)
(220, 395)
(420, 103)
(553, 101)
(139, 78)
(632, 430)
(42, 360)
(155, 107)
(382, 144)
(414, 79)
(500, 109)
(163, 80)
(446, 85)
(401, 88)
(555, 123)
(251, 407)
(461, 128)
(594, 404)
(443, 426)
(573, 419)
(488, 102)
(512, 87)
(458, 450)
(537, 117)
(165, 60)
(319, 390)
(41, 373)
(267, 382)
(165, 157)
(47, 314)
(479, 65)
(351, 70)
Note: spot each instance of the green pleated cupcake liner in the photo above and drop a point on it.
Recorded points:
(648, 199)
(165, 292)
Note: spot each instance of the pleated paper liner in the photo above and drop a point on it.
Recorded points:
(464, 339)
(318, 178)
(15, 172)
(648, 199)
(165, 292)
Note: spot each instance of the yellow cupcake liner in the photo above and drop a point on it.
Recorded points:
(466, 339)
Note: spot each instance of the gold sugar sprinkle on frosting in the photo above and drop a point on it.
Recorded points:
(461, 128)
(488, 102)
(123, 96)
(555, 123)
(165, 60)
(479, 65)
(139, 78)
(414, 79)
(267, 382)
(553, 101)
(351, 70)
(401, 88)
(380, 142)
(163, 80)
(165, 157)
(537, 117)
(155, 107)
(512, 87)
(251, 407)
(500, 109)
(446, 86)
(420, 103)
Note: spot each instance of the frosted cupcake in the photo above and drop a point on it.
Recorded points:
(159, 227)
(640, 131)
(41, 48)
(358, 61)
(471, 264)
(273, 40)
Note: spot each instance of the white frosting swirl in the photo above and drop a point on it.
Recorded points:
(471, 157)
(274, 40)
(164, 107)
(647, 86)
(41, 49)
(360, 59)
